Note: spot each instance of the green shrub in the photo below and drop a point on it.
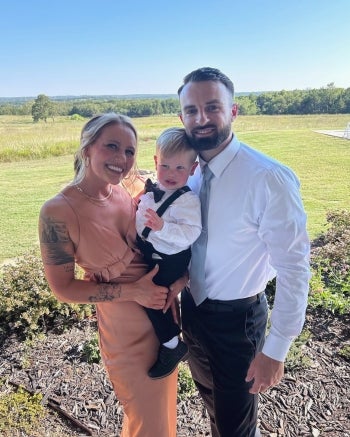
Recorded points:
(76, 117)
(345, 352)
(330, 261)
(185, 384)
(20, 411)
(27, 305)
(91, 350)
(330, 266)
(296, 359)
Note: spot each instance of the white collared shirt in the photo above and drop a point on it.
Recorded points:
(182, 221)
(257, 230)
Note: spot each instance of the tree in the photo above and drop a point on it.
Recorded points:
(42, 108)
(247, 105)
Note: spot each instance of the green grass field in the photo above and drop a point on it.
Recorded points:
(36, 160)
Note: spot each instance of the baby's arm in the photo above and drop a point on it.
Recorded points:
(177, 229)
(153, 220)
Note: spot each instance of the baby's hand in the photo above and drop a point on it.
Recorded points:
(153, 220)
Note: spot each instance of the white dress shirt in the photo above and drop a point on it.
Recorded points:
(182, 221)
(256, 231)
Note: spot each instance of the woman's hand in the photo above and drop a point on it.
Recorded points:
(148, 294)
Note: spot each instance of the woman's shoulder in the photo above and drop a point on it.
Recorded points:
(57, 205)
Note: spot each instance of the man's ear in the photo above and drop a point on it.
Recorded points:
(180, 117)
(234, 111)
(193, 168)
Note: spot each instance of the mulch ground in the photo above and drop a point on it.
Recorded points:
(310, 401)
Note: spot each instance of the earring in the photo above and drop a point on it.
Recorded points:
(87, 161)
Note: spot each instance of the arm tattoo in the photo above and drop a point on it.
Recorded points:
(53, 232)
(54, 235)
(107, 293)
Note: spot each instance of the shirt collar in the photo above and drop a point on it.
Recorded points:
(218, 164)
(167, 190)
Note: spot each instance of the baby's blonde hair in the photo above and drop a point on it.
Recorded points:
(173, 141)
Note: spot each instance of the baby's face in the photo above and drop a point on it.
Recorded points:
(173, 171)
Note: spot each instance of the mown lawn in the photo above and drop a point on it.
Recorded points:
(36, 160)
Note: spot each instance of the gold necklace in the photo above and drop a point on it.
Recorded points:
(95, 200)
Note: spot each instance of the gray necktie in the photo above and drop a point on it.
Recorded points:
(199, 248)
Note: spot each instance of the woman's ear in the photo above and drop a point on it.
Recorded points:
(86, 151)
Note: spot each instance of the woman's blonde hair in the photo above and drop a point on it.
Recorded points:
(89, 134)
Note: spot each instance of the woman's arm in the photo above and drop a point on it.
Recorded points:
(57, 251)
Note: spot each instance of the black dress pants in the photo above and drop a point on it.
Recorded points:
(223, 338)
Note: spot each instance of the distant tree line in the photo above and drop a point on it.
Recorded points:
(87, 108)
(327, 100)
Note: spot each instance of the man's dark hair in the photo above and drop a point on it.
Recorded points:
(207, 73)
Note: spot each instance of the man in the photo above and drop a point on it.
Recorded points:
(256, 231)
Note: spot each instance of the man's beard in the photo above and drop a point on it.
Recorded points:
(211, 142)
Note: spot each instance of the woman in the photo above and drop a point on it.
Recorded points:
(91, 222)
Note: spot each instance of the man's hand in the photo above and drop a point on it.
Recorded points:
(172, 299)
(265, 371)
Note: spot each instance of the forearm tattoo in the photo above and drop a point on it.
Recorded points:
(54, 236)
(106, 293)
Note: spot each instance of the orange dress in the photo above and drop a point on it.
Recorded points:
(105, 249)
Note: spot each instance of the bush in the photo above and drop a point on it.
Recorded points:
(186, 386)
(77, 117)
(296, 358)
(91, 350)
(330, 261)
(345, 353)
(27, 305)
(330, 266)
(20, 411)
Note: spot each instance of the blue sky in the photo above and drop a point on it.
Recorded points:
(76, 47)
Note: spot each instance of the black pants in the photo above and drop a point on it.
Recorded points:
(223, 338)
(171, 267)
